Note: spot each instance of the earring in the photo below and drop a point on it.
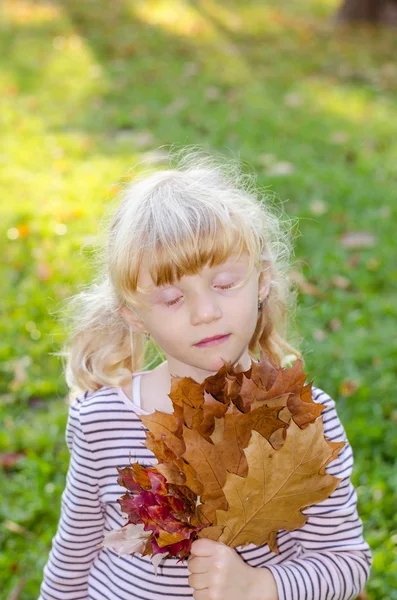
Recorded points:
(147, 336)
(259, 302)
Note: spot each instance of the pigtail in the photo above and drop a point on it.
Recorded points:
(271, 330)
(99, 349)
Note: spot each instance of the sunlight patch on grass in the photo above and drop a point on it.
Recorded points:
(350, 104)
(175, 16)
(7, 84)
(180, 19)
(33, 101)
(261, 19)
(227, 15)
(23, 12)
(334, 4)
(209, 19)
(291, 9)
(71, 72)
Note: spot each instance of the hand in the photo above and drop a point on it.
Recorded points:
(218, 572)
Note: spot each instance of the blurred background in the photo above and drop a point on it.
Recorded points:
(305, 94)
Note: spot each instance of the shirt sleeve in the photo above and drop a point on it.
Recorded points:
(80, 527)
(335, 560)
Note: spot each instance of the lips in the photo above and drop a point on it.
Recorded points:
(212, 339)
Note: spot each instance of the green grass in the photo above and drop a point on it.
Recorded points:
(87, 92)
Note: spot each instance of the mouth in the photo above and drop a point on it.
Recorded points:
(213, 341)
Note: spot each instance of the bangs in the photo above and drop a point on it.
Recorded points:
(179, 225)
(170, 260)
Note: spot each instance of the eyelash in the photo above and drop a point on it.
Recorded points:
(223, 287)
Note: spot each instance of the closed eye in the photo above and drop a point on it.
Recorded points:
(222, 287)
(225, 287)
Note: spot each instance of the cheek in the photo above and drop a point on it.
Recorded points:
(167, 331)
(246, 317)
(245, 306)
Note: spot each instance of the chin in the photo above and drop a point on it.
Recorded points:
(215, 363)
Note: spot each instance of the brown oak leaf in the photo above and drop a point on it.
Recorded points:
(237, 430)
(181, 473)
(279, 484)
(207, 462)
(167, 427)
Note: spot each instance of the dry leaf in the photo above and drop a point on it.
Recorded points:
(281, 169)
(363, 596)
(291, 381)
(318, 207)
(341, 282)
(358, 239)
(212, 411)
(264, 398)
(239, 457)
(156, 560)
(14, 527)
(181, 473)
(212, 93)
(17, 591)
(159, 448)
(44, 271)
(166, 427)
(340, 137)
(175, 106)
(237, 432)
(206, 461)
(319, 335)
(293, 99)
(279, 484)
(165, 510)
(348, 387)
(8, 460)
(140, 139)
(127, 540)
(305, 286)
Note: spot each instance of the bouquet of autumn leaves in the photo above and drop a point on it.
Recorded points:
(238, 459)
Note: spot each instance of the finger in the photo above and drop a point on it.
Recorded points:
(204, 547)
(201, 594)
(198, 581)
(198, 564)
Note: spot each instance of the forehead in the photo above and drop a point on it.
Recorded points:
(146, 283)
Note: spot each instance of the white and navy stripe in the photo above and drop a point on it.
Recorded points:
(326, 559)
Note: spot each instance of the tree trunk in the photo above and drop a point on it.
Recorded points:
(370, 11)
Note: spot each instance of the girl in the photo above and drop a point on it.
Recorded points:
(196, 261)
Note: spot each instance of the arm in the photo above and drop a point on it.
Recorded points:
(335, 560)
(80, 527)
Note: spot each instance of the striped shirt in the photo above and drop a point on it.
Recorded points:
(326, 559)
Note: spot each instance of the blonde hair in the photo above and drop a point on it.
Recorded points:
(199, 211)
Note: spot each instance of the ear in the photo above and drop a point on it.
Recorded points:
(264, 283)
(132, 319)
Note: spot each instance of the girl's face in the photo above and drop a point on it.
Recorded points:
(201, 306)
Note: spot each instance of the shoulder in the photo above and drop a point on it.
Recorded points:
(105, 399)
(103, 410)
(334, 431)
(322, 397)
(332, 423)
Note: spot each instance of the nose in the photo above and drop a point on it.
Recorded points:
(204, 308)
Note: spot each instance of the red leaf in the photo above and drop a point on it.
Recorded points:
(8, 460)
